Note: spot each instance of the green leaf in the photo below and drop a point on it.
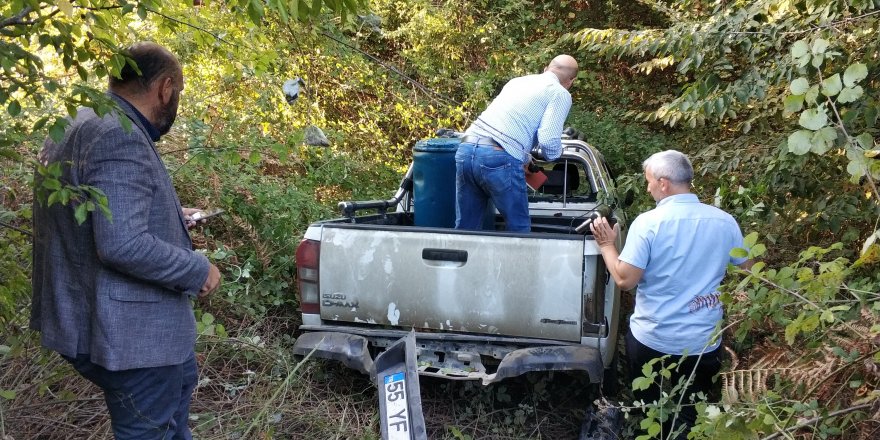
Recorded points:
(823, 140)
(40, 123)
(865, 140)
(856, 168)
(850, 94)
(282, 12)
(870, 242)
(792, 330)
(293, 8)
(739, 253)
(56, 131)
(794, 103)
(54, 198)
(854, 74)
(105, 210)
(255, 11)
(799, 49)
(642, 383)
(54, 169)
(7, 394)
(750, 239)
(316, 8)
(800, 142)
(207, 319)
(812, 94)
(65, 195)
(831, 86)
(14, 108)
(51, 183)
(65, 7)
(811, 322)
(819, 46)
(828, 316)
(255, 157)
(813, 118)
(758, 250)
(804, 60)
(799, 86)
(80, 213)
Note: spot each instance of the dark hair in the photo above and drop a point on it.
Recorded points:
(154, 62)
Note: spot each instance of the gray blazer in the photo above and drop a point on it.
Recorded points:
(117, 290)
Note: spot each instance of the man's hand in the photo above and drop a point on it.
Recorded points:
(212, 283)
(603, 233)
(187, 215)
(625, 275)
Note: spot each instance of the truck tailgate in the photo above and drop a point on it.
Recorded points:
(528, 286)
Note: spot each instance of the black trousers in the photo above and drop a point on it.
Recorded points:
(709, 365)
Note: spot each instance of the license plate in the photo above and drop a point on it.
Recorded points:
(396, 410)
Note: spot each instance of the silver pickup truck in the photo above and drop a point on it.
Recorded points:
(484, 305)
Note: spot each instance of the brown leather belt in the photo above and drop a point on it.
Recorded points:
(481, 141)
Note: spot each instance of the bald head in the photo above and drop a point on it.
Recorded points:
(565, 67)
(155, 63)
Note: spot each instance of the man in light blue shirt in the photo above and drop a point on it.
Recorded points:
(529, 113)
(676, 254)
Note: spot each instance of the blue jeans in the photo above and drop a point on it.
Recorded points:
(484, 174)
(145, 403)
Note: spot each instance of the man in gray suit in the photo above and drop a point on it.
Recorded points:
(113, 297)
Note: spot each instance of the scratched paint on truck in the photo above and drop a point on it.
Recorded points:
(516, 286)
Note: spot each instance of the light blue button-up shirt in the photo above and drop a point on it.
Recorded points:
(529, 111)
(684, 247)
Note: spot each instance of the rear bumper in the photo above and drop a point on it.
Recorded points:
(454, 356)
(351, 350)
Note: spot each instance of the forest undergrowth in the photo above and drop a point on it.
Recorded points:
(776, 101)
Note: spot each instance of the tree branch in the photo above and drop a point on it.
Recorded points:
(14, 228)
(818, 418)
(17, 18)
(816, 387)
(168, 17)
(796, 295)
(437, 97)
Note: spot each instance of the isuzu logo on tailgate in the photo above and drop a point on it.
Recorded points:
(337, 300)
(557, 321)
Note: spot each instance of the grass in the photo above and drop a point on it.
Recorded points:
(251, 387)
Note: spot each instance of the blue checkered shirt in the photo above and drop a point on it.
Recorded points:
(529, 111)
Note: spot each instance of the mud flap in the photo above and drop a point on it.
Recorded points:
(400, 401)
(351, 350)
(561, 358)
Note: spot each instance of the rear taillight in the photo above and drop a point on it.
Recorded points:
(307, 275)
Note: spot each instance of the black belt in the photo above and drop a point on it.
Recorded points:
(479, 140)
